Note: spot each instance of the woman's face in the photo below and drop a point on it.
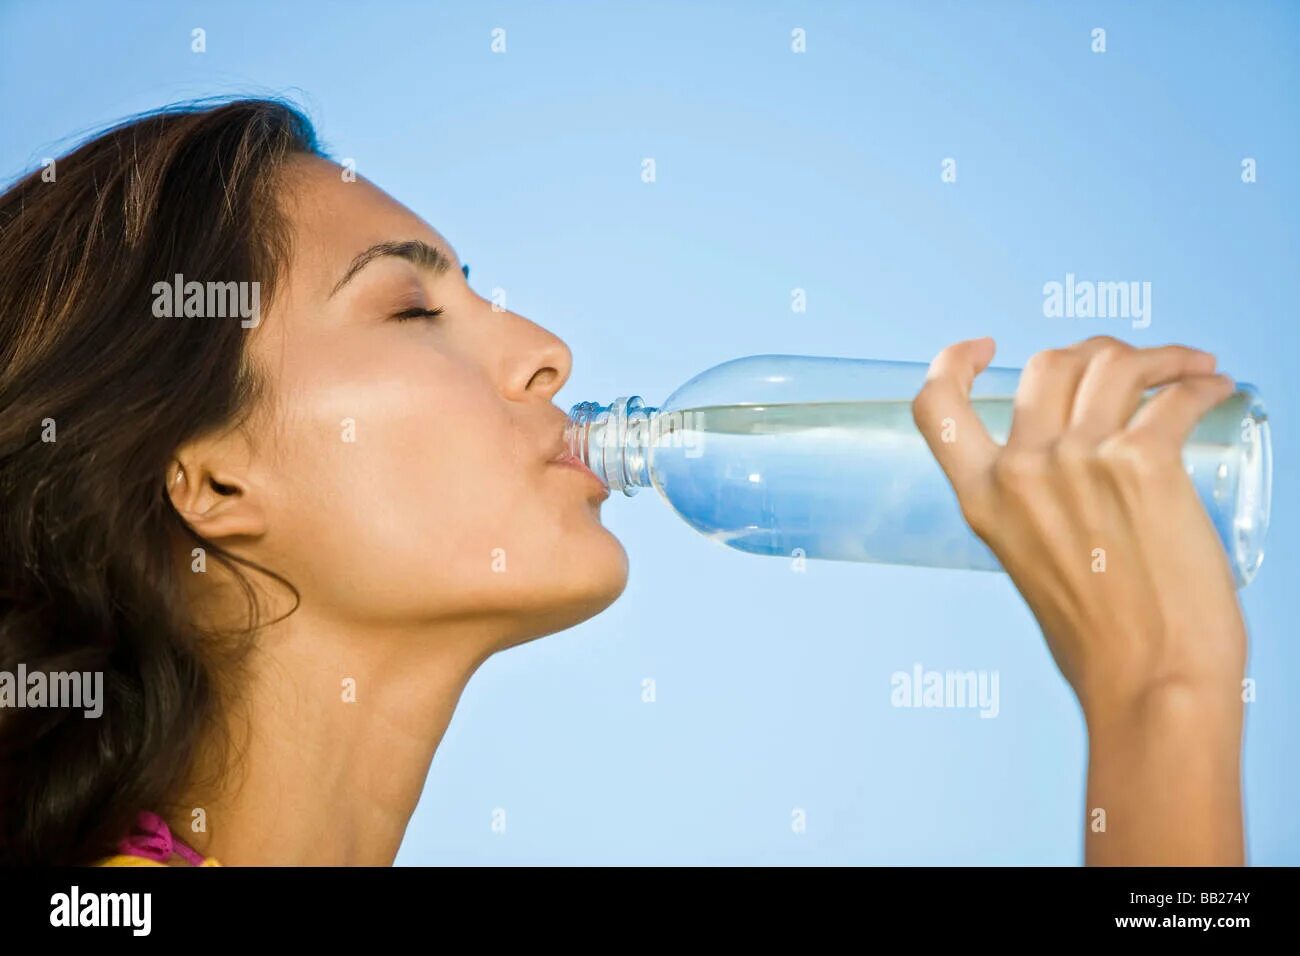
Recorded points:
(401, 468)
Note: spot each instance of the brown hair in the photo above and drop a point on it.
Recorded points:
(96, 395)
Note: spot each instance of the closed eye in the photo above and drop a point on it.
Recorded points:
(418, 314)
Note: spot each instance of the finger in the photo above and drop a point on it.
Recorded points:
(943, 412)
(1172, 413)
(1116, 379)
(1044, 397)
(1045, 394)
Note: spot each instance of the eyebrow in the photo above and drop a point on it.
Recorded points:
(412, 250)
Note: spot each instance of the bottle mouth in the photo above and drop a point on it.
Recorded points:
(613, 441)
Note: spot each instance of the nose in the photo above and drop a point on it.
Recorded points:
(540, 362)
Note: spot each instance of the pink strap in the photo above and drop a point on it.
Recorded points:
(152, 839)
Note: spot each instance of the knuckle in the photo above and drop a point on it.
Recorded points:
(1190, 355)
(1098, 343)
(1135, 457)
(1176, 393)
(1112, 355)
(1015, 471)
(922, 402)
(1049, 361)
(1070, 453)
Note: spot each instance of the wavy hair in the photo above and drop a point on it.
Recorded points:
(96, 396)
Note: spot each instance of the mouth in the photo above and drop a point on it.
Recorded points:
(567, 460)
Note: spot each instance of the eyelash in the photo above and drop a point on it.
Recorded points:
(408, 314)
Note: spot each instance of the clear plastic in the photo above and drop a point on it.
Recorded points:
(813, 456)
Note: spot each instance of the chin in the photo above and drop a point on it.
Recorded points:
(581, 592)
(606, 580)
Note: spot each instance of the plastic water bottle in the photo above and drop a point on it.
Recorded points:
(812, 456)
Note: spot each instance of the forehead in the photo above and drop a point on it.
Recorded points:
(331, 220)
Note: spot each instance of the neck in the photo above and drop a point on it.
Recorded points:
(331, 735)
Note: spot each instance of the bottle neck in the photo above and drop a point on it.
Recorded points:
(613, 441)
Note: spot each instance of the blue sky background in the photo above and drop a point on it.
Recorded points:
(778, 170)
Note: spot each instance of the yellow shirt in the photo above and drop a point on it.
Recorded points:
(127, 859)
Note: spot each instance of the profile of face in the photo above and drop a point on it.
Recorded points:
(399, 467)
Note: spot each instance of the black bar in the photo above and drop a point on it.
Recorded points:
(209, 905)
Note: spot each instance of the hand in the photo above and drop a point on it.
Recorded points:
(1084, 484)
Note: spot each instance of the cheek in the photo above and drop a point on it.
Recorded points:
(417, 469)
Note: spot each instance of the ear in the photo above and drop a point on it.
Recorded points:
(212, 491)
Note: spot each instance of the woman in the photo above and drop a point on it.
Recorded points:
(274, 468)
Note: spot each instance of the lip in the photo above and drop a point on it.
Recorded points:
(567, 459)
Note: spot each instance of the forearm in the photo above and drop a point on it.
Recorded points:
(1166, 771)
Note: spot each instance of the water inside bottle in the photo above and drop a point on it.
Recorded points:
(855, 481)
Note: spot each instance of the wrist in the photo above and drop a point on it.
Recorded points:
(1197, 714)
(1166, 769)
